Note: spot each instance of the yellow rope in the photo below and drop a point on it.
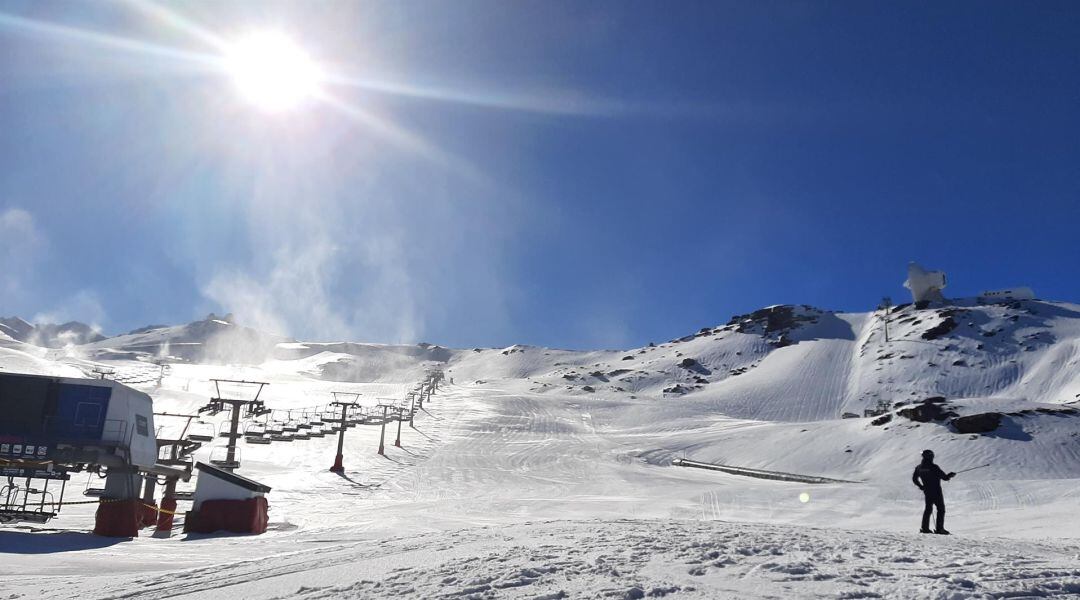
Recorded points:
(106, 500)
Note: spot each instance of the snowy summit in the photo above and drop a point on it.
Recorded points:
(539, 472)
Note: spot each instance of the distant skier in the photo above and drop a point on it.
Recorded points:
(927, 477)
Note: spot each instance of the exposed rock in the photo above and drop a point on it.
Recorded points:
(781, 342)
(883, 419)
(774, 319)
(942, 328)
(931, 409)
(980, 423)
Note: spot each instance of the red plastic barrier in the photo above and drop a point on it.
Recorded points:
(148, 514)
(237, 516)
(118, 518)
(165, 517)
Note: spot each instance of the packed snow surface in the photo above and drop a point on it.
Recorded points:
(543, 473)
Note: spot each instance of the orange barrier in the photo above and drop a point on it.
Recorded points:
(237, 516)
(118, 518)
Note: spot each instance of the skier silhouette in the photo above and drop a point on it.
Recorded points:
(927, 477)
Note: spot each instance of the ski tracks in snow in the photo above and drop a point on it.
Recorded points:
(637, 559)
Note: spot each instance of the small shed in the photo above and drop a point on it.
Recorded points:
(226, 501)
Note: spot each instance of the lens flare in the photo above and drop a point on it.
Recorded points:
(804, 497)
(272, 72)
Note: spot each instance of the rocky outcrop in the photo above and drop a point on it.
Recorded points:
(980, 423)
(931, 409)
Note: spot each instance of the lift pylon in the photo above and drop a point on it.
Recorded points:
(345, 405)
(220, 403)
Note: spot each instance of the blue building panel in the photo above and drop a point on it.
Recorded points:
(80, 412)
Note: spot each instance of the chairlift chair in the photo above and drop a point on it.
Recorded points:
(36, 505)
(291, 425)
(201, 431)
(274, 426)
(219, 457)
(92, 490)
(255, 433)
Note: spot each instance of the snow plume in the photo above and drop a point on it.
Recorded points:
(295, 290)
(302, 293)
(335, 232)
(73, 322)
(21, 245)
(84, 306)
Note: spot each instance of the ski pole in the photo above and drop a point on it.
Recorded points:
(973, 468)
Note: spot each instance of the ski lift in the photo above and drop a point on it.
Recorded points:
(26, 503)
(305, 422)
(330, 416)
(291, 424)
(274, 425)
(355, 417)
(255, 433)
(219, 457)
(201, 431)
(92, 490)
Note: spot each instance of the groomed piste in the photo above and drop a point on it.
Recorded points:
(542, 473)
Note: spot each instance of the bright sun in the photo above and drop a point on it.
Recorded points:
(272, 72)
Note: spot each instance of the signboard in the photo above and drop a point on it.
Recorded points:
(24, 451)
(33, 473)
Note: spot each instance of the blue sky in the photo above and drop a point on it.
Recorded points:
(571, 174)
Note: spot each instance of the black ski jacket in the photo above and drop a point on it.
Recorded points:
(930, 476)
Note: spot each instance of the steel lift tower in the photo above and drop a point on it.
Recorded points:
(343, 424)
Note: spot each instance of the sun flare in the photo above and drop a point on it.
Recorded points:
(272, 72)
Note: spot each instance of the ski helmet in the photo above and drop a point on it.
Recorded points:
(928, 454)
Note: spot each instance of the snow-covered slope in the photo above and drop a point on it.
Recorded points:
(49, 335)
(547, 473)
(212, 340)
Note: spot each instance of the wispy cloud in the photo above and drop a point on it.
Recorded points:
(21, 248)
(293, 295)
